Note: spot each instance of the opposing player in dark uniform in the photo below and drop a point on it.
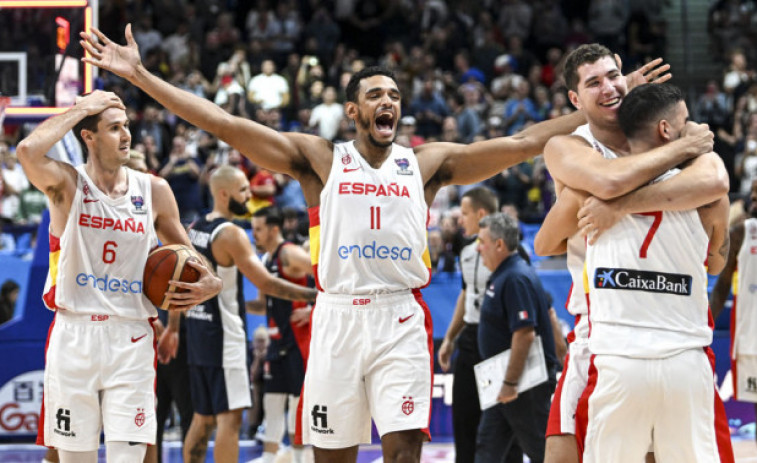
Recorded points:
(216, 330)
(288, 330)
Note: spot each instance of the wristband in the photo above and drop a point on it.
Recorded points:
(510, 383)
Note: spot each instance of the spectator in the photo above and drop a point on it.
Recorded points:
(153, 124)
(182, 172)
(712, 107)
(407, 129)
(146, 35)
(429, 110)
(8, 296)
(520, 109)
(607, 21)
(268, 89)
(230, 94)
(326, 116)
(468, 122)
(515, 19)
(14, 183)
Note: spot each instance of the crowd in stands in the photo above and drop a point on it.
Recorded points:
(467, 71)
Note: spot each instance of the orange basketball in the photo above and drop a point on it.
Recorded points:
(164, 264)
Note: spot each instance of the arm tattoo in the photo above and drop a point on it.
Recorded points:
(724, 248)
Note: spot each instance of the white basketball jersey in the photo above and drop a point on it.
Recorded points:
(96, 265)
(648, 286)
(744, 288)
(475, 275)
(369, 234)
(576, 304)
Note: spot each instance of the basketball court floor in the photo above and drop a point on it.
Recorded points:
(436, 452)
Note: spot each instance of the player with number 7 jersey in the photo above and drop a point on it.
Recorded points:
(648, 285)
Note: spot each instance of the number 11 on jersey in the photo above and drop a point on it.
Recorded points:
(375, 217)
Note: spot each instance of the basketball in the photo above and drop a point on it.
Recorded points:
(164, 264)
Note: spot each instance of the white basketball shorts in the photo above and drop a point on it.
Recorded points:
(371, 356)
(744, 372)
(99, 375)
(669, 403)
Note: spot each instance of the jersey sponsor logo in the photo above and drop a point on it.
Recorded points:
(374, 251)
(751, 384)
(198, 313)
(640, 280)
(63, 423)
(404, 319)
(108, 284)
(370, 189)
(404, 165)
(133, 339)
(106, 223)
(319, 413)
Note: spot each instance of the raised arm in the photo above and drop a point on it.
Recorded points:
(722, 287)
(560, 224)
(287, 153)
(701, 182)
(54, 178)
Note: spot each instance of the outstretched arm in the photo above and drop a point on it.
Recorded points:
(722, 287)
(702, 182)
(279, 152)
(560, 224)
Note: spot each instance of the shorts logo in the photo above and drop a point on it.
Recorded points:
(408, 406)
(320, 420)
(751, 384)
(640, 280)
(63, 423)
(139, 419)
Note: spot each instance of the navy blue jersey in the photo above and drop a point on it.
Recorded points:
(216, 329)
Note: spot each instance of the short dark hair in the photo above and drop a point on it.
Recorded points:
(88, 123)
(482, 198)
(587, 53)
(647, 104)
(272, 216)
(502, 227)
(354, 83)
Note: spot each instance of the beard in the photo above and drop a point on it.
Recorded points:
(236, 207)
(364, 123)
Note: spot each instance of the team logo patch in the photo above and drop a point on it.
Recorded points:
(408, 406)
(346, 159)
(403, 164)
(640, 280)
(139, 203)
(85, 189)
(139, 418)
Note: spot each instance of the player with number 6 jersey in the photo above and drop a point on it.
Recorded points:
(104, 220)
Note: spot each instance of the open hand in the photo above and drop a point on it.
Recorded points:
(652, 72)
(104, 53)
(597, 216)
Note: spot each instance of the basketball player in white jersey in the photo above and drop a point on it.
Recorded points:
(104, 220)
(588, 160)
(371, 333)
(739, 274)
(651, 373)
